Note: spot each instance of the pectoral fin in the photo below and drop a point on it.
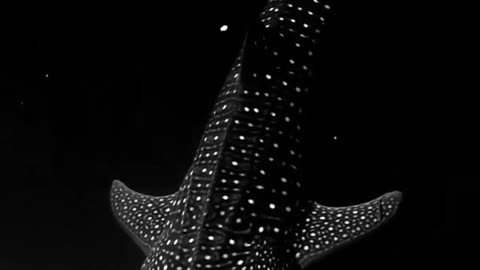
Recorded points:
(141, 216)
(324, 229)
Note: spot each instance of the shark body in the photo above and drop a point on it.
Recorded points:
(240, 205)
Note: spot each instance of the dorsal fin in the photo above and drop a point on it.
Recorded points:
(141, 216)
(324, 229)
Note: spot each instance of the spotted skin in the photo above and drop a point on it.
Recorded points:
(240, 205)
(142, 216)
(325, 228)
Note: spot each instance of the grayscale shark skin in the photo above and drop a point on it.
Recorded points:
(240, 205)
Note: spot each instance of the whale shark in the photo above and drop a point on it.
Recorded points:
(241, 204)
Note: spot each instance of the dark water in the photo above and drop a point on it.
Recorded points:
(129, 89)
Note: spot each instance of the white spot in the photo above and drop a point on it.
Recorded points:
(224, 28)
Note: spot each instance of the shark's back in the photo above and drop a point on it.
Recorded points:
(240, 205)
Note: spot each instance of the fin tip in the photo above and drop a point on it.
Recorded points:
(396, 195)
(117, 184)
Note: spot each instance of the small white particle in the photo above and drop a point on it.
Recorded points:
(224, 28)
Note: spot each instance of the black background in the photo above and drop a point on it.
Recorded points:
(131, 84)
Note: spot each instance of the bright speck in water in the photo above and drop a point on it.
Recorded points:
(224, 28)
